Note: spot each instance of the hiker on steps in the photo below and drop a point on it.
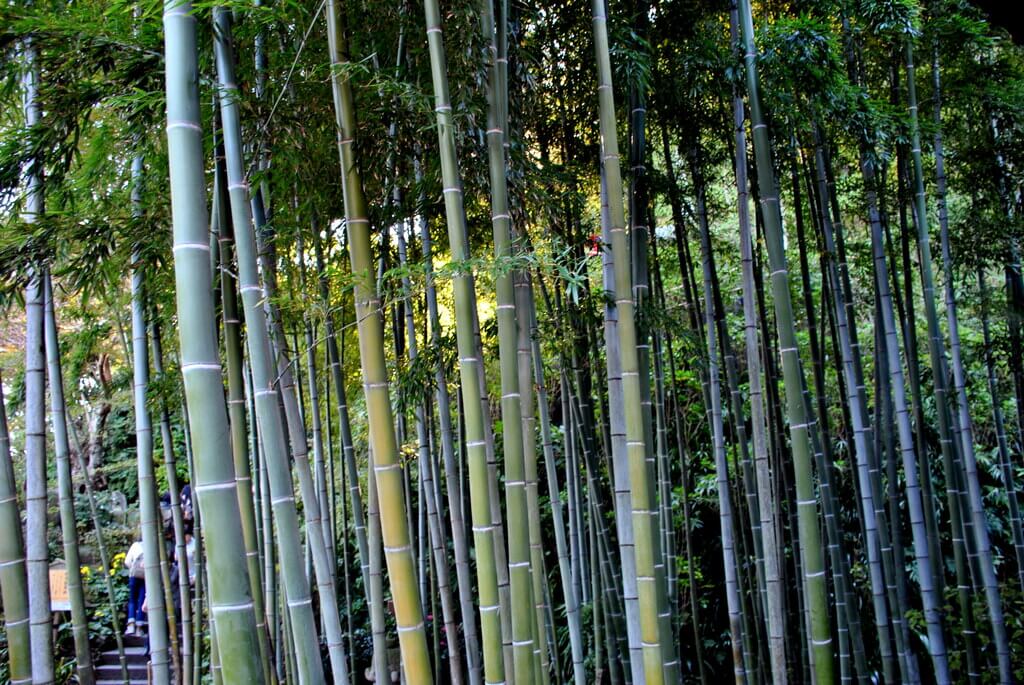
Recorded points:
(135, 566)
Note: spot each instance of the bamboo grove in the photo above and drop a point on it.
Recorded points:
(632, 341)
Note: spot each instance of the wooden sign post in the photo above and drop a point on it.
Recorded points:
(59, 589)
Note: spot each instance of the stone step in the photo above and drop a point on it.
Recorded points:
(112, 672)
(133, 655)
(135, 641)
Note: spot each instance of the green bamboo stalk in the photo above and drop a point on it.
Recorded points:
(316, 559)
(316, 423)
(387, 468)
(297, 591)
(639, 236)
(729, 560)
(773, 600)
(524, 304)
(429, 494)
(101, 545)
(149, 508)
(677, 220)
(198, 557)
(332, 483)
(937, 352)
(13, 582)
(236, 402)
(908, 322)
(571, 452)
(810, 535)
(65, 492)
(213, 481)
(171, 620)
(526, 630)
(1005, 462)
(1011, 272)
(984, 547)
(527, 310)
(469, 363)
(642, 496)
(856, 408)
(37, 554)
(452, 483)
(875, 521)
(908, 319)
(617, 439)
(379, 662)
(340, 508)
(344, 427)
(177, 520)
(936, 641)
(37, 559)
(885, 447)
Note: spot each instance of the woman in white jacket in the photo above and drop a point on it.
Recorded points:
(134, 564)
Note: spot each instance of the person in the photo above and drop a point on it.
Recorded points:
(190, 556)
(135, 565)
(185, 497)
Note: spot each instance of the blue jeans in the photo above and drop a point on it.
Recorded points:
(136, 596)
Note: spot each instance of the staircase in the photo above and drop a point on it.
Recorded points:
(108, 668)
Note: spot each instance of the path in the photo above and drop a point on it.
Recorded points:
(108, 668)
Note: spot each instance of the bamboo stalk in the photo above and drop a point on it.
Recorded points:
(65, 493)
(13, 581)
(820, 637)
(526, 630)
(214, 482)
(387, 468)
(470, 371)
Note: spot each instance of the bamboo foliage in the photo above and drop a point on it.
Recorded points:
(680, 496)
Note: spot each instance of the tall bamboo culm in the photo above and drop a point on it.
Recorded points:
(229, 600)
(470, 365)
(984, 546)
(725, 510)
(644, 517)
(149, 508)
(774, 601)
(65, 492)
(37, 559)
(452, 483)
(526, 631)
(811, 553)
(266, 391)
(388, 471)
(177, 520)
(13, 582)
(240, 449)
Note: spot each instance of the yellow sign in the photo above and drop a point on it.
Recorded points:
(59, 590)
